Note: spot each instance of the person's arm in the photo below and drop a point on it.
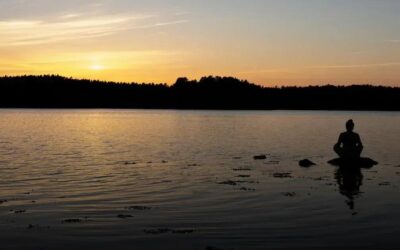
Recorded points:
(359, 141)
(340, 140)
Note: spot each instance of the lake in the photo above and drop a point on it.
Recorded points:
(138, 179)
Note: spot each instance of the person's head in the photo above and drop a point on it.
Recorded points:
(350, 125)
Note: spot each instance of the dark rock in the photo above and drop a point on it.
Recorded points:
(353, 163)
(247, 189)
(31, 226)
(157, 231)
(241, 169)
(138, 208)
(282, 175)
(306, 163)
(243, 181)
(130, 163)
(72, 220)
(3, 201)
(243, 176)
(124, 216)
(260, 157)
(272, 162)
(21, 211)
(183, 231)
(289, 194)
(232, 183)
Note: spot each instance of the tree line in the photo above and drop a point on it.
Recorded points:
(211, 92)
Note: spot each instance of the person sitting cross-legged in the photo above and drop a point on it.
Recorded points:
(349, 145)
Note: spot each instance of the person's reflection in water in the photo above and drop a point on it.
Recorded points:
(349, 145)
(349, 179)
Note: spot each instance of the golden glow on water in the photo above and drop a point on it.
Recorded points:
(92, 165)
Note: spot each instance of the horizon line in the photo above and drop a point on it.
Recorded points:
(198, 79)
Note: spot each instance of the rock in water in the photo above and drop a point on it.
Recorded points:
(306, 163)
(260, 157)
(353, 163)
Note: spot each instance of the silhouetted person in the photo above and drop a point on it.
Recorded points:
(349, 145)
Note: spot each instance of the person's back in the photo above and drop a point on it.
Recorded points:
(349, 144)
(349, 140)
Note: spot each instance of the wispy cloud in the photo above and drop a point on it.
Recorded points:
(352, 66)
(264, 71)
(300, 68)
(171, 23)
(70, 16)
(72, 26)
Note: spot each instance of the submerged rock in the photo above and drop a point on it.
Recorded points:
(31, 226)
(182, 231)
(282, 175)
(306, 163)
(74, 220)
(124, 216)
(243, 181)
(241, 169)
(260, 157)
(138, 208)
(130, 163)
(232, 183)
(289, 194)
(21, 211)
(157, 231)
(273, 162)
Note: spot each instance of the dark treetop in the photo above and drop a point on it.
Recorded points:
(52, 91)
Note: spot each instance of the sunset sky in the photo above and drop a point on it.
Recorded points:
(269, 42)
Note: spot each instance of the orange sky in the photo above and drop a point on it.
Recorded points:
(269, 42)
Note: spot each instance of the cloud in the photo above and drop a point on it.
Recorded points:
(265, 71)
(352, 66)
(72, 26)
(299, 69)
(70, 16)
(171, 23)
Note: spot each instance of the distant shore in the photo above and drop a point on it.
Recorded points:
(208, 93)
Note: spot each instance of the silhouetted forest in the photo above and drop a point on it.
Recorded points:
(52, 91)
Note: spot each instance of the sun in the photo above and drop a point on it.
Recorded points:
(97, 67)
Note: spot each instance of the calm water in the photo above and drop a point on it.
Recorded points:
(70, 178)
